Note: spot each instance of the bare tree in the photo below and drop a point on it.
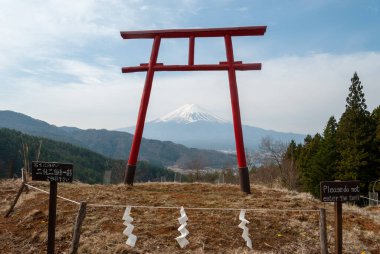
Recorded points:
(274, 154)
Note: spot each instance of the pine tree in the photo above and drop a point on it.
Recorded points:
(327, 156)
(307, 164)
(376, 143)
(318, 158)
(376, 118)
(355, 135)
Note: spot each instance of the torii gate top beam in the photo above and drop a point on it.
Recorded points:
(191, 34)
(187, 33)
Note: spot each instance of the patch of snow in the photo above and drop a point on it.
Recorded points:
(190, 113)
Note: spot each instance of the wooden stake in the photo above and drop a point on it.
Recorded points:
(322, 231)
(77, 227)
(52, 217)
(338, 227)
(16, 199)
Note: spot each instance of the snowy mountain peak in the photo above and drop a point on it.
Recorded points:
(190, 113)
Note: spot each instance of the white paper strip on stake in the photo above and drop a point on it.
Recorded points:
(242, 216)
(183, 219)
(128, 230)
(182, 211)
(249, 243)
(131, 241)
(182, 241)
(126, 213)
(243, 226)
(183, 230)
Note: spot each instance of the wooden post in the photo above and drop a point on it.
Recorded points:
(15, 201)
(240, 152)
(24, 177)
(136, 142)
(322, 231)
(52, 216)
(338, 227)
(77, 227)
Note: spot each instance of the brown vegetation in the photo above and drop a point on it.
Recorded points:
(274, 227)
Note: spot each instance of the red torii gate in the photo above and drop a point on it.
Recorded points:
(230, 65)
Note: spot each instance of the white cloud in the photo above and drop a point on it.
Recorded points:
(295, 94)
(34, 30)
(53, 68)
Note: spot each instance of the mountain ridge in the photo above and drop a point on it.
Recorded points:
(115, 144)
(193, 126)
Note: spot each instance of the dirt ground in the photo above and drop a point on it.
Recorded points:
(282, 222)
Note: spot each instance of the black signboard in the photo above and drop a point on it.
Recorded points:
(342, 191)
(52, 171)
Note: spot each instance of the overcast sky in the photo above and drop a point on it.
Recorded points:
(60, 61)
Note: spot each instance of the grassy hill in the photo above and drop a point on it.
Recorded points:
(89, 167)
(281, 222)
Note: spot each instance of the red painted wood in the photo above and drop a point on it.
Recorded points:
(199, 67)
(144, 103)
(230, 65)
(191, 50)
(235, 104)
(203, 32)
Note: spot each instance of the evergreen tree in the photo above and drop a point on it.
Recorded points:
(376, 120)
(307, 164)
(355, 135)
(376, 144)
(328, 156)
(318, 158)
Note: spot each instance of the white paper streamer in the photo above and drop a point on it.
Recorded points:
(182, 241)
(243, 226)
(131, 241)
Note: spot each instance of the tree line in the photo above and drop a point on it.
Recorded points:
(18, 150)
(348, 149)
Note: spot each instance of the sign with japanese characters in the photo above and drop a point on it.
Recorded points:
(343, 191)
(52, 171)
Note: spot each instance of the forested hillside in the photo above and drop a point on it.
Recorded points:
(116, 144)
(348, 149)
(89, 167)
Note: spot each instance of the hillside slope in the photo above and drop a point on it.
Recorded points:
(115, 144)
(281, 222)
(89, 167)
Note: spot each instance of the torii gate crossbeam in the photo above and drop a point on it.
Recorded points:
(230, 65)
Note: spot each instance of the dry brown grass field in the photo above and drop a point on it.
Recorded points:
(282, 222)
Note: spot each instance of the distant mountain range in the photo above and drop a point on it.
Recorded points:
(193, 126)
(116, 144)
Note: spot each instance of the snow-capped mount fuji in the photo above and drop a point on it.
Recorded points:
(189, 113)
(193, 126)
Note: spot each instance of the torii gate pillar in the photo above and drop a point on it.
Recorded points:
(230, 65)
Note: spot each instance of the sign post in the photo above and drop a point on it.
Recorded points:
(52, 216)
(53, 172)
(338, 192)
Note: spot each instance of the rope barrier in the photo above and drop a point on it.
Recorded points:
(204, 208)
(178, 207)
(72, 201)
(370, 199)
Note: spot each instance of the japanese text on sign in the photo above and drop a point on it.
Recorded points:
(52, 171)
